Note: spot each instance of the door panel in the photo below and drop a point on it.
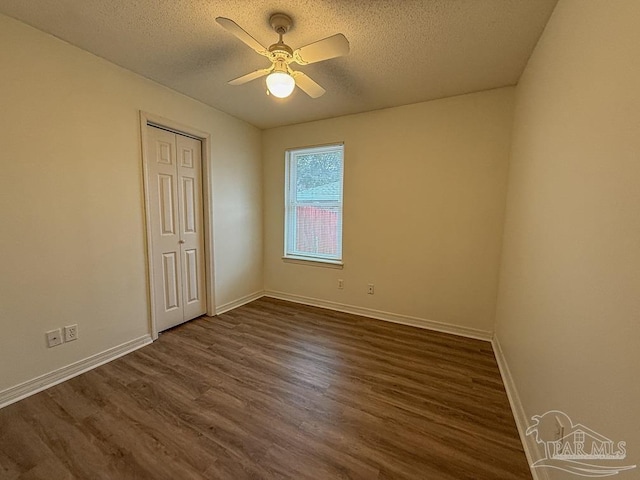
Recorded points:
(188, 202)
(166, 207)
(167, 258)
(191, 265)
(175, 201)
(171, 280)
(191, 225)
(166, 151)
(186, 158)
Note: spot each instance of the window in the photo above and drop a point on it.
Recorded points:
(313, 204)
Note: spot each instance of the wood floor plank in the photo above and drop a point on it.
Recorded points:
(275, 390)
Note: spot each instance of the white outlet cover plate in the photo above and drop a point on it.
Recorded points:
(70, 333)
(54, 337)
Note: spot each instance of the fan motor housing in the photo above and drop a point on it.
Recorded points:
(280, 49)
(281, 23)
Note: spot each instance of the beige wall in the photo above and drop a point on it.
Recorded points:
(568, 316)
(424, 192)
(72, 237)
(424, 198)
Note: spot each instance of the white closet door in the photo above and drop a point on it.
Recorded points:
(191, 225)
(175, 201)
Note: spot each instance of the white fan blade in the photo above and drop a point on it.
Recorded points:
(235, 29)
(330, 47)
(249, 76)
(307, 85)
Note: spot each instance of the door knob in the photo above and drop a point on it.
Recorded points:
(181, 241)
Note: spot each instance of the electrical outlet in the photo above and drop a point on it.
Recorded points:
(370, 288)
(340, 283)
(54, 338)
(70, 333)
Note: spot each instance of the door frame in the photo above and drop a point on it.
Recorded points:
(149, 119)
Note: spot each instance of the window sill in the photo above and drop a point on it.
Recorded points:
(314, 262)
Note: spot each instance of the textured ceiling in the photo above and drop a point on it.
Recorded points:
(402, 51)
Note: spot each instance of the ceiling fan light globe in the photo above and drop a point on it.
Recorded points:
(280, 84)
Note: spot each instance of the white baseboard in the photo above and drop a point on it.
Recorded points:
(30, 387)
(239, 302)
(522, 421)
(387, 316)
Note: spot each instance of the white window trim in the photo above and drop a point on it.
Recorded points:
(303, 258)
(314, 262)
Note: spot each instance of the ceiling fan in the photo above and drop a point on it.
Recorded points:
(281, 79)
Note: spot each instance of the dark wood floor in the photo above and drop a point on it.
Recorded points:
(274, 390)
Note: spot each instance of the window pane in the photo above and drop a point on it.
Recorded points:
(318, 176)
(317, 230)
(313, 203)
